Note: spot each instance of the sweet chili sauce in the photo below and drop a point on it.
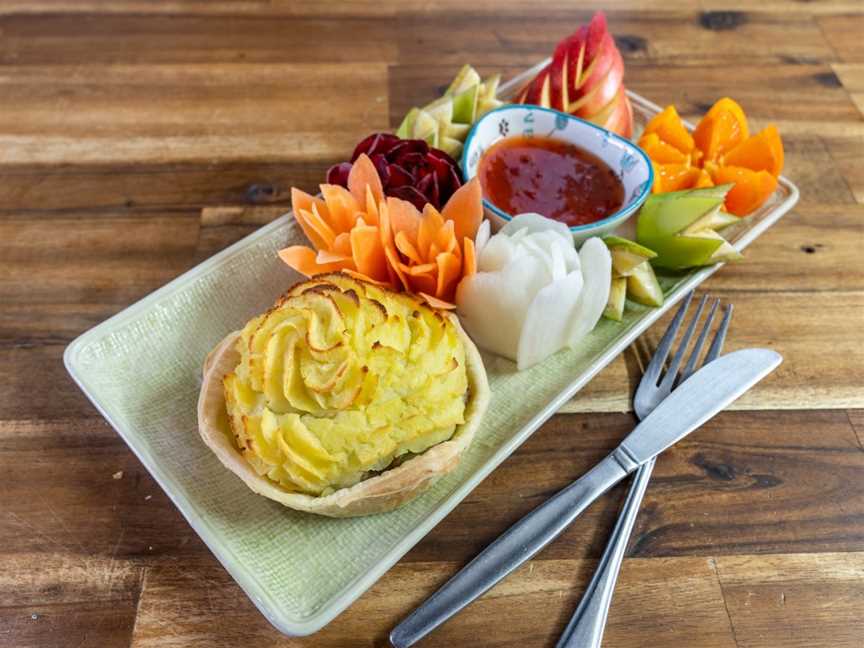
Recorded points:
(551, 177)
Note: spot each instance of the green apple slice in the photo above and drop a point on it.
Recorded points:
(486, 105)
(430, 137)
(448, 119)
(456, 131)
(626, 254)
(441, 110)
(671, 213)
(714, 220)
(451, 146)
(465, 105)
(407, 126)
(668, 224)
(643, 287)
(685, 252)
(423, 124)
(489, 88)
(426, 127)
(465, 78)
(724, 252)
(617, 295)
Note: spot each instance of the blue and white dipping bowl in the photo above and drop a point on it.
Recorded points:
(629, 162)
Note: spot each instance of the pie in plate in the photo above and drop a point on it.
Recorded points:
(346, 398)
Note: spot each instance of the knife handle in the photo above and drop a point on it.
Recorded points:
(516, 545)
(586, 627)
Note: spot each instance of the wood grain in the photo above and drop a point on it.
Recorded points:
(679, 597)
(797, 335)
(95, 189)
(717, 493)
(348, 8)
(851, 75)
(843, 33)
(776, 601)
(81, 623)
(122, 119)
(207, 113)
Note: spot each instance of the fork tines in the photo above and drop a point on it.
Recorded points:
(672, 378)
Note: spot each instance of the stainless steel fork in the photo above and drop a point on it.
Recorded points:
(585, 629)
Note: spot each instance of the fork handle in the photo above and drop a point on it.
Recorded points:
(515, 546)
(588, 622)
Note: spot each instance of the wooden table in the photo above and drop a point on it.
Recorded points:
(120, 121)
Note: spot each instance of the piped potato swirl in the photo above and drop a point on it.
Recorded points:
(343, 379)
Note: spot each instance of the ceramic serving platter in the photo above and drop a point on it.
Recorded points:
(142, 368)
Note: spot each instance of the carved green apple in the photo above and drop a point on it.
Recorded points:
(465, 106)
(681, 227)
(445, 122)
(626, 254)
(632, 276)
(617, 296)
(643, 287)
(465, 78)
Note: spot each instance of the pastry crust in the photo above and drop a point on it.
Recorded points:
(383, 492)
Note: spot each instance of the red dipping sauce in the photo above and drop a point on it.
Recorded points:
(551, 177)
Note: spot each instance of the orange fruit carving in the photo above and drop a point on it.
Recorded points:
(720, 150)
(752, 188)
(670, 129)
(762, 152)
(674, 177)
(704, 180)
(660, 151)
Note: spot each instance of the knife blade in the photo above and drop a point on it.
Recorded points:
(683, 411)
(705, 393)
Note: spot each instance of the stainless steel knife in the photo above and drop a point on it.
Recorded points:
(705, 393)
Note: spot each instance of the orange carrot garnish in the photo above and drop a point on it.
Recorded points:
(387, 240)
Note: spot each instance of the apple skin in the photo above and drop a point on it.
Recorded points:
(621, 119)
(664, 218)
(601, 89)
(598, 61)
(596, 45)
(680, 252)
(598, 29)
(627, 126)
(585, 79)
(596, 72)
(612, 241)
(617, 295)
(576, 46)
(559, 90)
(602, 116)
(535, 92)
(643, 287)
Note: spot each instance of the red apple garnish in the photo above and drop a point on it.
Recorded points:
(559, 74)
(585, 79)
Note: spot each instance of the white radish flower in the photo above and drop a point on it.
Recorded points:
(533, 294)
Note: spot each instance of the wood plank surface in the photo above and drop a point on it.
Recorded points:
(808, 599)
(719, 494)
(122, 119)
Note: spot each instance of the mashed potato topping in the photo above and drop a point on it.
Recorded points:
(340, 379)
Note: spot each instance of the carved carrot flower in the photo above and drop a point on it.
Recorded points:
(431, 251)
(343, 227)
(388, 240)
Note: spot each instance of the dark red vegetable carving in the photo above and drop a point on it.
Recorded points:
(409, 169)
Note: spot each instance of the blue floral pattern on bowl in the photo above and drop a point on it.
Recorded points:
(629, 162)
